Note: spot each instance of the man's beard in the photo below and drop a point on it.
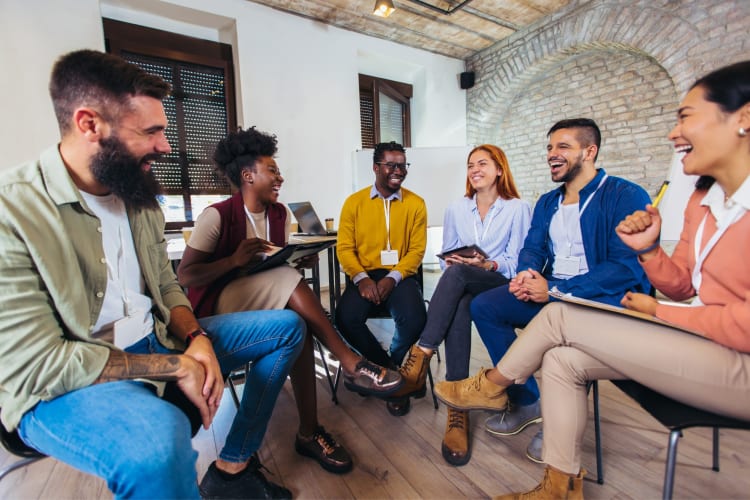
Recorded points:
(575, 169)
(120, 171)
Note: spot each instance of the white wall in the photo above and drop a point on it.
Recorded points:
(296, 78)
(32, 36)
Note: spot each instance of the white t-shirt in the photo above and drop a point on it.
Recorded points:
(124, 295)
(567, 240)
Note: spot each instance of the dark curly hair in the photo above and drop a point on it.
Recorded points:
(382, 147)
(240, 150)
(103, 81)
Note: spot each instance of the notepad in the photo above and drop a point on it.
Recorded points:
(467, 251)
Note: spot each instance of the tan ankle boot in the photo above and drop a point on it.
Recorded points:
(414, 373)
(456, 441)
(556, 485)
(475, 393)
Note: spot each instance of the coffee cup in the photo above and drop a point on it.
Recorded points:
(186, 232)
(329, 224)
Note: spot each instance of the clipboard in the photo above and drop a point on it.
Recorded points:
(465, 251)
(287, 254)
(566, 297)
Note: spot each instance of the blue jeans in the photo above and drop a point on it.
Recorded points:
(139, 443)
(448, 315)
(497, 313)
(405, 304)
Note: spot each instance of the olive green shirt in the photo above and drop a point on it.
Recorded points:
(53, 275)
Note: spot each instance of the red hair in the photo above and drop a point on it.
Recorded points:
(505, 185)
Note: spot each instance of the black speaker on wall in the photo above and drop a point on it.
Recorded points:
(467, 79)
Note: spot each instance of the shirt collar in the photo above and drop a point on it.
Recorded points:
(57, 180)
(374, 193)
(714, 198)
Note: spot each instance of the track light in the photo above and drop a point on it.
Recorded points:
(383, 8)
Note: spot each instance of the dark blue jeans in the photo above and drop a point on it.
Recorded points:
(448, 317)
(497, 313)
(406, 307)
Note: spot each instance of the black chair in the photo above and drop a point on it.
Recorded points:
(13, 444)
(673, 415)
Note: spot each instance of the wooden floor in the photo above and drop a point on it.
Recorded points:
(400, 457)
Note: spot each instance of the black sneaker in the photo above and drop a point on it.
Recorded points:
(322, 447)
(250, 483)
(372, 379)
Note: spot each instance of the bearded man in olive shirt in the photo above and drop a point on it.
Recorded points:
(93, 321)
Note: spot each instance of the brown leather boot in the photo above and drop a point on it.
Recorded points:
(414, 373)
(456, 440)
(556, 485)
(475, 393)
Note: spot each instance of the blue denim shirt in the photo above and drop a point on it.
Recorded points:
(613, 267)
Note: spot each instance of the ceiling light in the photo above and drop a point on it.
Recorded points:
(383, 8)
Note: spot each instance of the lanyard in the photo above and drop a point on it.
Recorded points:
(252, 222)
(737, 212)
(387, 208)
(568, 239)
(492, 215)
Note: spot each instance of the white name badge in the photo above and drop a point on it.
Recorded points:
(128, 330)
(567, 266)
(388, 257)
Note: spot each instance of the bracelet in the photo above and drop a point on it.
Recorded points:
(647, 249)
(196, 333)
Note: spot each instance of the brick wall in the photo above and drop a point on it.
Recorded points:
(626, 64)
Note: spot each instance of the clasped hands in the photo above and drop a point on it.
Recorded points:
(529, 286)
(376, 292)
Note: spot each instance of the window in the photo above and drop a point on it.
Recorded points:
(200, 110)
(384, 111)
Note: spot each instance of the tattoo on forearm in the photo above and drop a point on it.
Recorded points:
(125, 366)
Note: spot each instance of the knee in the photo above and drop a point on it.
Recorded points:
(564, 364)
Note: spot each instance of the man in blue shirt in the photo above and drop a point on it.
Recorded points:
(571, 247)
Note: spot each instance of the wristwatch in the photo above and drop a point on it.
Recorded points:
(195, 333)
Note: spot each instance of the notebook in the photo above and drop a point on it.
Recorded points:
(309, 222)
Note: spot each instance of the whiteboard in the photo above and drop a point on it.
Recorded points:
(437, 174)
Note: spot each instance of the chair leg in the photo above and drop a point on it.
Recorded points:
(597, 434)
(715, 466)
(674, 437)
(332, 383)
(233, 391)
(17, 465)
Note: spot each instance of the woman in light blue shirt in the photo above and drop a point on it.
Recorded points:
(491, 216)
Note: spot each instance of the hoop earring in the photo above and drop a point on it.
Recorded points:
(742, 132)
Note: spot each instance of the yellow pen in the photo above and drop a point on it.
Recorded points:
(660, 194)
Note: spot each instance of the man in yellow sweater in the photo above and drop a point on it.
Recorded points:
(381, 241)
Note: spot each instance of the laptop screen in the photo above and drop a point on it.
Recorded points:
(307, 218)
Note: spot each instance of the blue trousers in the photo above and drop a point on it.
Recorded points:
(497, 313)
(448, 317)
(140, 444)
(405, 305)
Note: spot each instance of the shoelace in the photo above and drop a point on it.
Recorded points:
(325, 440)
(456, 420)
(371, 370)
(410, 361)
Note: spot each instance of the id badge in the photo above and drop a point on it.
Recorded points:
(128, 330)
(388, 257)
(567, 266)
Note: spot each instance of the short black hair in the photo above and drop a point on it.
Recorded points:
(588, 131)
(103, 81)
(381, 148)
(240, 150)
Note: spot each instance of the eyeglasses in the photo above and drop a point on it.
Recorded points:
(404, 167)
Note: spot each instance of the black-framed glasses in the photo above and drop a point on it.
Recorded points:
(404, 167)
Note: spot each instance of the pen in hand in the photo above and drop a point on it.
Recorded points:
(660, 194)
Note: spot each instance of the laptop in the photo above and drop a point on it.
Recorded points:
(309, 222)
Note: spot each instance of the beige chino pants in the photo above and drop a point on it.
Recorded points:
(574, 344)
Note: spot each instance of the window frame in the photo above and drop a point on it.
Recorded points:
(126, 37)
(372, 86)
